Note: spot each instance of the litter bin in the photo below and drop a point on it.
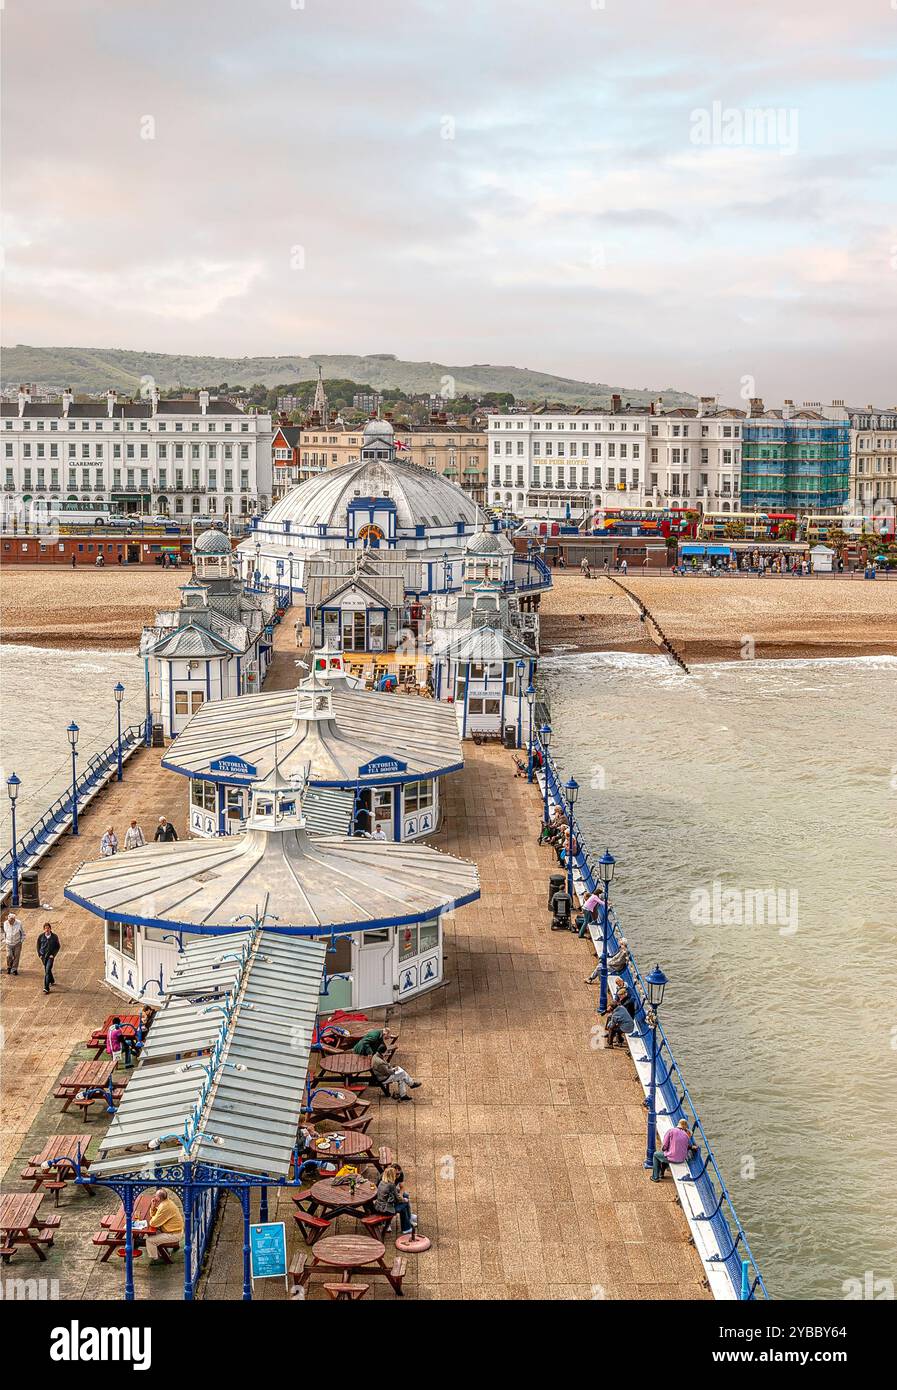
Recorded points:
(158, 736)
(29, 890)
(510, 736)
(556, 883)
(561, 909)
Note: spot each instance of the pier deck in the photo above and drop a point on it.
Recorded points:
(523, 1147)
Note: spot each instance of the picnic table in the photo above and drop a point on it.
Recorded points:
(333, 1197)
(334, 1102)
(113, 1227)
(347, 1031)
(353, 1144)
(21, 1225)
(87, 1076)
(344, 1064)
(346, 1253)
(58, 1152)
(129, 1025)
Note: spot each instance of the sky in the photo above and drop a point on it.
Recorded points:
(697, 195)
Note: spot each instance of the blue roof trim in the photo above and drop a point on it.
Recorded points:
(347, 785)
(343, 929)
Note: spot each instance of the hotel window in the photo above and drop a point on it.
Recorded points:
(727, 458)
(560, 476)
(596, 478)
(418, 796)
(548, 482)
(549, 448)
(623, 450)
(635, 477)
(610, 477)
(611, 450)
(536, 475)
(27, 477)
(244, 451)
(636, 451)
(9, 450)
(26, 451)
(163, 451)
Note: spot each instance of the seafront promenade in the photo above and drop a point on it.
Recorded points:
(523, 1147)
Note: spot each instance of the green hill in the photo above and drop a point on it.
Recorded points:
(96, 369)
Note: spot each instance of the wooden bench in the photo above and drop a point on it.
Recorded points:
(397, 1273)
(312, 1227)
(55, 1187)
(359, 1124)
(377, 1224)
(346, 1293)
(6, 1253)
(384, 1158)
(31, 1172)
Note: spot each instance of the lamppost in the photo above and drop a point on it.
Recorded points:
(445, 586)
(606, 864)
(119, 692)
(290, 558)
(12, 791)
(545, 741)
(530, 704)
(521, 667)
(656, 983)
(73, 732)
(258, 572)
(571, 792)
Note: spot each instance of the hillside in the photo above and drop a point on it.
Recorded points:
(95, 369)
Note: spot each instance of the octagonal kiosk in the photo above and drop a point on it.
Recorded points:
(379, 907)
(374, 759)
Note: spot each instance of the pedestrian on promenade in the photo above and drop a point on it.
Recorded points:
(48, 949)
(387, 1076)
(378, 833)
(166, 1224)
(134, 836)
(74, 559)
(165, 830)
(619, 1024)
(109, 844)
(624, 566)
(13, 936)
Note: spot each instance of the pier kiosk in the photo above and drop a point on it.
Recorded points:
(374, 760)
(379, 907)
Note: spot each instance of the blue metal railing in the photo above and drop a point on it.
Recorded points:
(704, 1172)
(536, 573)
(100, 767)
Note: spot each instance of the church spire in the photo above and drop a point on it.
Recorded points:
(321, 406)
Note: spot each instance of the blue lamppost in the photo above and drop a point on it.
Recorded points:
(521, 667)
(655, 985)
(545, 741)
(571, 792)
(12, 790)
(530, 704)
(73, 732)
(119, 692)
(445, 583)
(606, 864)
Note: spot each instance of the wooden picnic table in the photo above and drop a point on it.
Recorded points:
(86, 1076)
(20, 1224)
(334, 1102)
(333, 1197)
(115, 1224)
(344, 1064)
(58, 1151)
(346, 1253)
(129, 1024)
(353, 1144)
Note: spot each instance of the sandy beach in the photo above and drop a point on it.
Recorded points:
(714, 619)
(57, 607)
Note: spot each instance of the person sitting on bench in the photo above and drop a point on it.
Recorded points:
(676, 1148)
(166, 1224)
(373, 1041)
(619, 1025)
(387, 1076)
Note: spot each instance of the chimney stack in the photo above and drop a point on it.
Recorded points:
(757, 407)
(154, 400)
(68, 397)
(706, 402)
(111, 398)
(615, 404)
(24, 399)
(787, 409)
(203, 402)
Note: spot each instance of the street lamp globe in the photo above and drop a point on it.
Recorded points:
(12, 787)
(607, 862)
(656, 983)
(530, 695)
(571, 791)
(73, 731)
(545, 736)
(119, 692)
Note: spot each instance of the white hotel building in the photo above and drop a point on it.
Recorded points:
(549, 463)
(198, 457)
(873, 460)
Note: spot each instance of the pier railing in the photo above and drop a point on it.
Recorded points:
(43, 834)
(673, 1097)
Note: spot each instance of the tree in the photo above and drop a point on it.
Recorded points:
(734, 530)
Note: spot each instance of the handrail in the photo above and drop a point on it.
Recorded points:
(59, 811)
(732, 1258)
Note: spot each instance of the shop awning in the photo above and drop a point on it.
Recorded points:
(693, 550)
(239, 1107)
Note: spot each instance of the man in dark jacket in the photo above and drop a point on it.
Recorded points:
(48, 949)
(165, 830)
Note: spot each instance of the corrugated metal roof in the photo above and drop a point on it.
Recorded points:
(365, 726)
(239, 1108)
(315, 882)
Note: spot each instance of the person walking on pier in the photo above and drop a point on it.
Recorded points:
(134, 837)
(109, 844)
(13, 936)
(165, 830)
(48, 949)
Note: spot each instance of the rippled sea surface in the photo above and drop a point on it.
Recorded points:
(763, 775)
(42, 691)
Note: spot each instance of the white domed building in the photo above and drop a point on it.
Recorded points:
(377, 503)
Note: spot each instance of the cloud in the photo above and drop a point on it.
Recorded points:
(456, 181)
